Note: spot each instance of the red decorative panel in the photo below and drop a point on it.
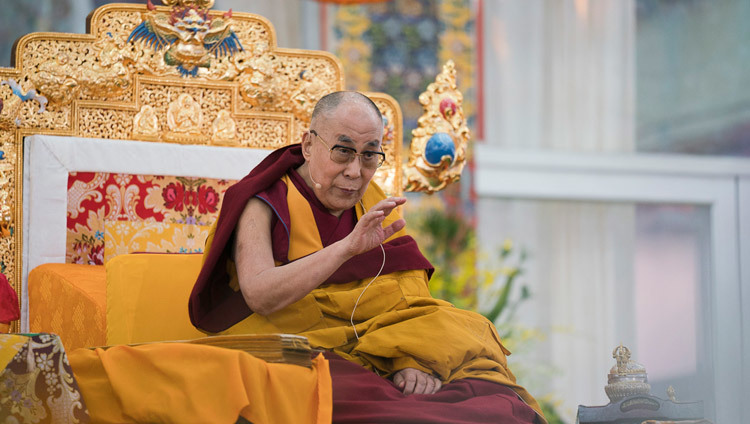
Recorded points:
(110, 214)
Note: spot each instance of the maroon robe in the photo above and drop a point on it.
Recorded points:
(359, 395)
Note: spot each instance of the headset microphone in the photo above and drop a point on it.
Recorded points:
(317, 185)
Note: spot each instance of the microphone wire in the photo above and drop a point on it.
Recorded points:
(351, 319)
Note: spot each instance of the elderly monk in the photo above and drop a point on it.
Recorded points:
(308, 244)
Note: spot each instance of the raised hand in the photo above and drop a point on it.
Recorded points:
(414, 381)
(369, 231)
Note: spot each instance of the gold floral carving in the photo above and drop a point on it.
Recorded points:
(258, 77)
(438, 146)
(265, 73)
(308, 93)
(266, 131)
(389, 174)
(267, 78)
(108, 123)
(7, 208)
(10, 112)
(8, 258)
(63, 79)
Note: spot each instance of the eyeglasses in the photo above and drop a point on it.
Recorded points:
(344, 155)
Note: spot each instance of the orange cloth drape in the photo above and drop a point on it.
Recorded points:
(69, 300)
(185, 383)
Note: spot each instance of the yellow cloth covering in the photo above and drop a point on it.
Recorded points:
(184, 383)
(69, 300)
(146, 297)
(135, 298)
(398, 322)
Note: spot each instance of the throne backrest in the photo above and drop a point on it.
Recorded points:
(143, 74)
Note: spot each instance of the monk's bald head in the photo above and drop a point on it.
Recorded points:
(330, 102)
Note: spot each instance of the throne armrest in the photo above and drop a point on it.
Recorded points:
(70, 301)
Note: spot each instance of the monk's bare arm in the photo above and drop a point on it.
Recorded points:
(265, 287)
(268, 288)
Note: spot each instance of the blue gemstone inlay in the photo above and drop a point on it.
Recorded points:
(439, 145)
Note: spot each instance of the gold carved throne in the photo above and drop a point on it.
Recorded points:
(123, 139)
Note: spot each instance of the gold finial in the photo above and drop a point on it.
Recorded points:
(622, 356)
(439, 143)
(627, 377)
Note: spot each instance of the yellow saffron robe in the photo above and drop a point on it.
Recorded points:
(398, 322)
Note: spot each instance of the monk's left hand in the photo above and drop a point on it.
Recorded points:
(414, 381)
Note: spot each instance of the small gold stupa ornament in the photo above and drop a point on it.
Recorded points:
(626, 378)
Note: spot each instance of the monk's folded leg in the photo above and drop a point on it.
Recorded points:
(359, 395)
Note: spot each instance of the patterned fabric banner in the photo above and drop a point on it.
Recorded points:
(112, 214)
(36, 382)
